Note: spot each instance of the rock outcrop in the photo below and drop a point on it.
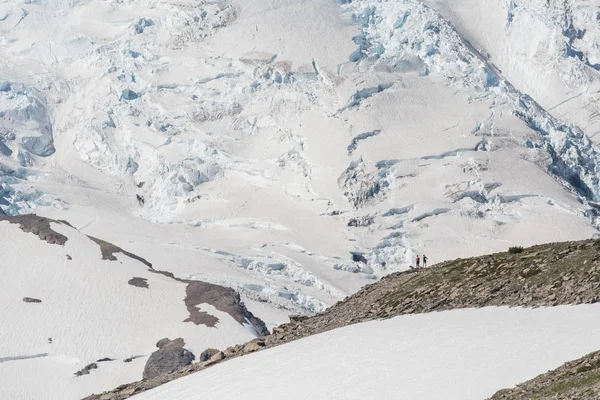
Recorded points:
(170, 356)
(546, 275)
(86, 370)
(575, 380)
(207, 354)
(39, 226)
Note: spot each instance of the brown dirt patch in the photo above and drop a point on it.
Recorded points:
(39, 226)
(108, 251)
(223, 298)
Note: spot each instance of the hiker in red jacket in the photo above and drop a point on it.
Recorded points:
(418, 262)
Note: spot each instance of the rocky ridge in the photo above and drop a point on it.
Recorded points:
(575, 380)
(545, 275)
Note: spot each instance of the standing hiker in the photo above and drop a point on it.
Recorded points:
(424, 261)
(418, 261)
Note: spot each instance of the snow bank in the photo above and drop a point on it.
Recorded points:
(453, 355)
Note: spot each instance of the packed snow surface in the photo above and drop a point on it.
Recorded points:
(452, 355)
(88, 312)
(297, 151)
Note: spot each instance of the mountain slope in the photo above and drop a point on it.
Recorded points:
(579, 379)
(72, 301)
(285, 155)
(541, 276)
(458, 354)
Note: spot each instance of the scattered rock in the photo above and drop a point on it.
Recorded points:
(86, 370)
(130, 359)
(359, 257)
(170, 357)
(31, 300)
(69, 257)
(105, 359)
(361, 221)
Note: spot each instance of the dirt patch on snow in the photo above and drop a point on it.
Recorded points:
(223, 298)
(108, 251)
(138, 282)
(39, 226)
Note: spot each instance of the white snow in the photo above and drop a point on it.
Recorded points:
(90, 312)
(451, 355)
(229, 141)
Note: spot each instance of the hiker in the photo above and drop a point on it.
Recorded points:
(418, 261)
(424, 261)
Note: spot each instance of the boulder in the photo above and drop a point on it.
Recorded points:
(170, 357)
(215, 359)
(207, 354)
(254, 346)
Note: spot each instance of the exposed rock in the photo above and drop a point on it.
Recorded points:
(361, 221)
(171, 356)
(254, 346)
(108, 251)
(39, 226)
(575, 380)
(207, 354)
(69, 257)
(501, 279)
(215, 359)
(105, 359)
(138, 282)
(130, 359)
(223, 298)
(31, 300)
(86, 370)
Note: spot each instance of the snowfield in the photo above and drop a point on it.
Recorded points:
(453, 355)
(88, 311)
(291, 151)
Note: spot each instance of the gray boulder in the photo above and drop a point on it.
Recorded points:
(207, 354)
(170, 357)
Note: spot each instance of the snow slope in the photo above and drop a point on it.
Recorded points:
(88, 312)
(295, 152)
(453, 355)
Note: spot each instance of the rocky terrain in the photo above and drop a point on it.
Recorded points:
(545, 275)
(575, 380)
